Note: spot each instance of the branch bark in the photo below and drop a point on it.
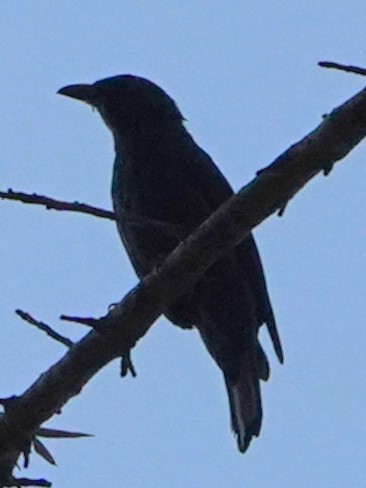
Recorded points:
(117, 332)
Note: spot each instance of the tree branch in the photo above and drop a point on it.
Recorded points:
(342, 67)
(130, 319)
(44, 328)
(167, 228)
(52, 204)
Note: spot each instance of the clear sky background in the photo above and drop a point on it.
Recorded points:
(245, 76)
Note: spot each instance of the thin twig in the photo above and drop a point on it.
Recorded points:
(342, 67)
(45, 328)
(28, 482)
(52, 204)
(168, 229)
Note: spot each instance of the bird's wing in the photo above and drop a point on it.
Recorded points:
(214, 190)
(207, 178)
(251, 264)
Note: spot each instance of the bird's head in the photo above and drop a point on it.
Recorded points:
(127, 102)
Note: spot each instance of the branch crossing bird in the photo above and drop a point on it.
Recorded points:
(162, 175)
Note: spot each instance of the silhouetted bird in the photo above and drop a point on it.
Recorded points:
(161, 174)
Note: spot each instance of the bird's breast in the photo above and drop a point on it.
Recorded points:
(154, 209)
(155, 187)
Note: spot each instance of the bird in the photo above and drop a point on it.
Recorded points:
(163, 187)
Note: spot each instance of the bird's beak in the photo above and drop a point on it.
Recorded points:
(85, 93)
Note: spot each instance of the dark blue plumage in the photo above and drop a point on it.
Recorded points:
(161, 174)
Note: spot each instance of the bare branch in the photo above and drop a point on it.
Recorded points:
(52, 204)
(130, 319)
(342, 67)
(45, 328)
(27, 482)
(175, 230)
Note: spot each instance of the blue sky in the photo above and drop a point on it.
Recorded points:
(245, 76)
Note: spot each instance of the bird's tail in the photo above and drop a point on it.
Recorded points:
(245, 407)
